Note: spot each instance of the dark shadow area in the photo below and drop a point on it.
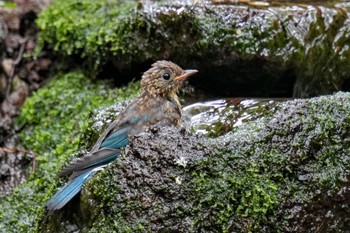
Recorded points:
(346, 85)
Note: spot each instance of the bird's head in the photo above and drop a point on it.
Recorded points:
(164, 78)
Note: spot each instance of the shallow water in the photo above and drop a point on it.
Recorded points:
(217, 117)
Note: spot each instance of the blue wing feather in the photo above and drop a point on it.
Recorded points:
(117, 139)
(103, 161)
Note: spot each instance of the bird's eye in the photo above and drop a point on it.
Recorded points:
(166, 76)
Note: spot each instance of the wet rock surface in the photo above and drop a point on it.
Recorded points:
(149, 185)
(286, 172)
(314, 136)
(275, 51)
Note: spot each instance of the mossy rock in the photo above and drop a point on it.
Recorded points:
(287, 172)
(240, 51)
(56, 126)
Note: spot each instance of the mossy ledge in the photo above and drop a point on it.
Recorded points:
(56, 121)
(287, 172)
(277, 51)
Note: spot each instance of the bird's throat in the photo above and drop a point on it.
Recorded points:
(174, 99)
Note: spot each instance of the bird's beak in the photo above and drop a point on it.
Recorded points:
(186, 74)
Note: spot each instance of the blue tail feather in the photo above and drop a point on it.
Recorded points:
(68, 191)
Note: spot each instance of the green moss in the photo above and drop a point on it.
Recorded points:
(248, 46)
(231, 195)
(98, 199)
(99, 30)
(55, 119)
(87, 28)
(274, 170)
(114, 28)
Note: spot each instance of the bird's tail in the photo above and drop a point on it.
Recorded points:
(69, 190)
(81, 170)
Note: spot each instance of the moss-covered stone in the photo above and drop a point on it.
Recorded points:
(54, 120)
(281, 51)
(86, 28)
(284, 173)
(287, 172)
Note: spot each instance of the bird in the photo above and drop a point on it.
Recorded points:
(156, 105)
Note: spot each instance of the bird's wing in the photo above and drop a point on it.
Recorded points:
(84, 168)
(107, 131)
(109, 149)
(126, 119)
(100, 157)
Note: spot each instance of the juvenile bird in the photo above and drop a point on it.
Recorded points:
(157, 105)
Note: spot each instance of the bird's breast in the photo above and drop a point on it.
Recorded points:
(154, 112)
